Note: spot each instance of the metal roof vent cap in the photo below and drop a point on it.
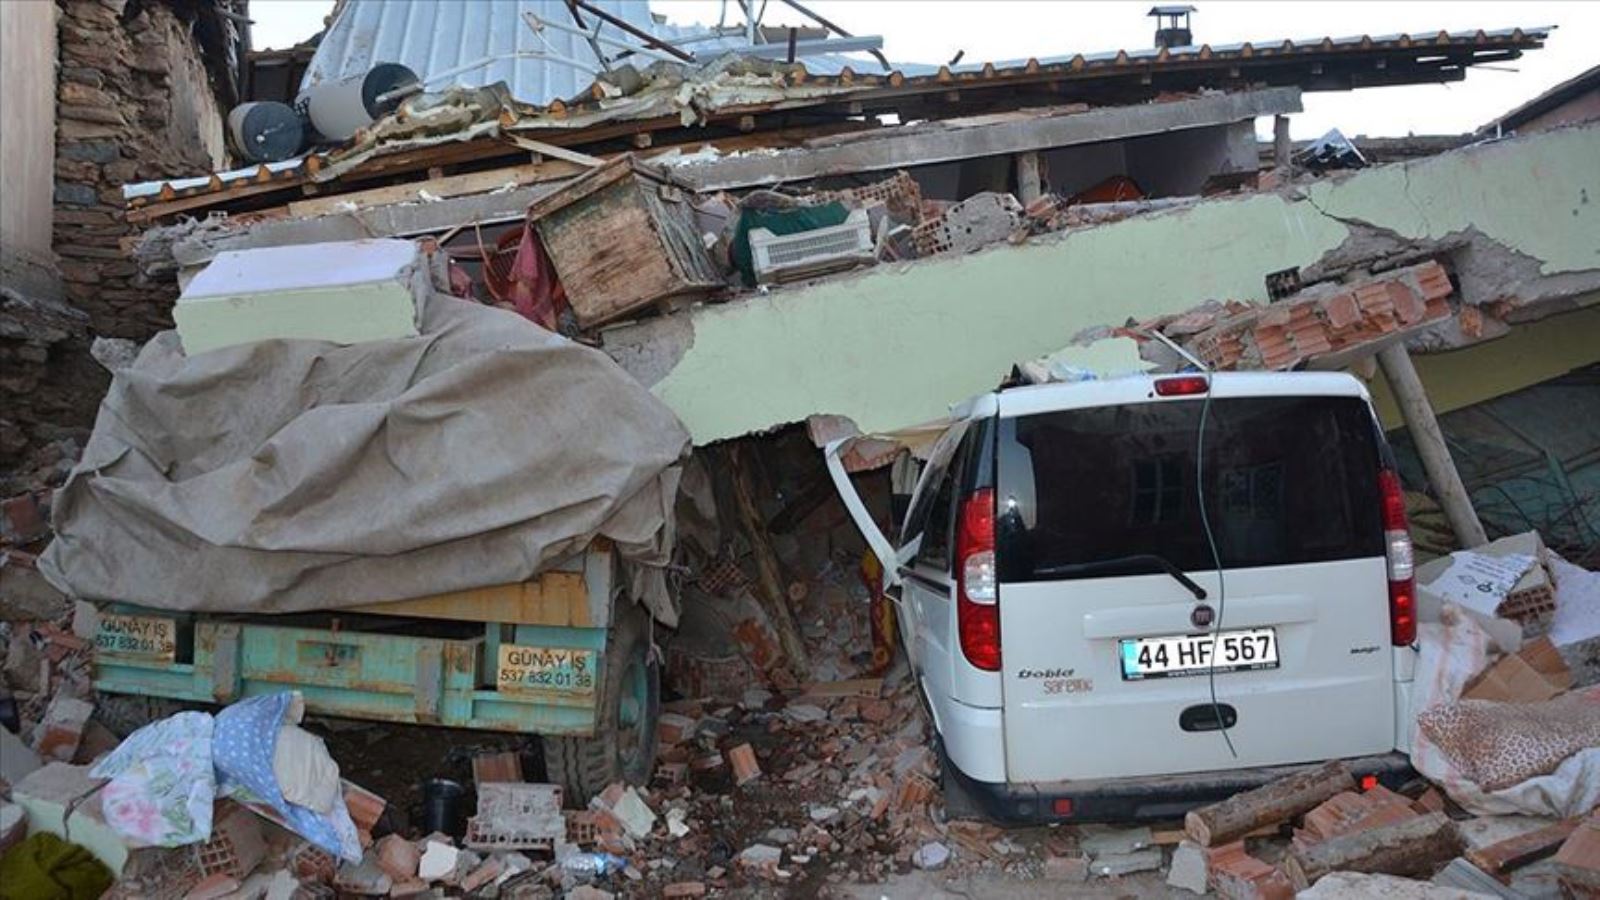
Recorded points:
(1172, 25)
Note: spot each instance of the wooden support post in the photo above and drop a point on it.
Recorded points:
(1029, 183)
(769, 582)
(1425, 433)
(1282, 147)
(1278, 801)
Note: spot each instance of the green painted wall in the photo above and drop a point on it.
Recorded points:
(896, 345)
(1538, 351)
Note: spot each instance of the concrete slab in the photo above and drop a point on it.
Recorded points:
(47, 794)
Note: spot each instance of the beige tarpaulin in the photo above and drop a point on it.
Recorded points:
(288, 475)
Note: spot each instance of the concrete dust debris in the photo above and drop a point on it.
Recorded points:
(62, 728)
(13, 825)
(761, 857)
(1100, 841)
(932, 855)
(1188, 869)
(439, 860)
(1070, 869)
(1356, 886)
(397, 857)
(366, 877)
(1116, 864)
(1468, 879)
(804, 712)
(629, 808)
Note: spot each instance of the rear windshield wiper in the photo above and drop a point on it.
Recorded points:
(1111, 565)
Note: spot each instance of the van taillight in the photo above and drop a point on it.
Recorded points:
(1181, 386)
(977, 609)
(1402, 563)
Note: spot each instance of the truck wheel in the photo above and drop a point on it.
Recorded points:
(624, 745)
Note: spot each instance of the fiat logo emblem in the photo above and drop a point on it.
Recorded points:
(1202, 616)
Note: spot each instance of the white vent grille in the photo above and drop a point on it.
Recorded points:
(780, 257)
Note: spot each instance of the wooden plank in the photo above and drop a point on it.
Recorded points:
(400, 220)
(472, 152)
(152, 211)
(554, 152)
(897, 148)
(1532, 846)
(443, 188)
(769, 582)
(1279, 801)
(554, 598)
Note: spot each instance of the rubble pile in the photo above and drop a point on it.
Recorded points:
(46, 643)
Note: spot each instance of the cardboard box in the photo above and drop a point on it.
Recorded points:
(1534, 673)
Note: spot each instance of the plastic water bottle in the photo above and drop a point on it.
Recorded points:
(592, 865)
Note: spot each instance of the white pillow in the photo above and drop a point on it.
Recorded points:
(306, 774)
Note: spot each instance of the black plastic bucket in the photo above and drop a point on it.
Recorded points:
(444, 807)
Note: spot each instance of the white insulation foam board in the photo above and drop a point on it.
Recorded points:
(345, 292)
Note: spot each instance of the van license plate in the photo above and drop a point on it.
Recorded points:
(1191, 654)
(524, 669)
(148, 637)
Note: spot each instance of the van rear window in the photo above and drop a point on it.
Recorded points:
(1287, 480)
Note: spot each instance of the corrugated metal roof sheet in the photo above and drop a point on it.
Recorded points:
(1248, 49)
(349, 50)
(436, 37)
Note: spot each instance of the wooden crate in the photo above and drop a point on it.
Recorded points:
(622, 238)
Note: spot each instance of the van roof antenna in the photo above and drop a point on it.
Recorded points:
(1173, 346)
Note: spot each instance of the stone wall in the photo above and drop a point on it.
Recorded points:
(134, 103)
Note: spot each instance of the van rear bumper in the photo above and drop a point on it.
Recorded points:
(1149, 798)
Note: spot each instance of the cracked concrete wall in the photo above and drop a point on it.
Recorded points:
(895, 345)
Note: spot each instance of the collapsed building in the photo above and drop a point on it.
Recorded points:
(788, 245)
(1043, 208)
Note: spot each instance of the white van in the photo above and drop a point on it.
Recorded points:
(1083, 654)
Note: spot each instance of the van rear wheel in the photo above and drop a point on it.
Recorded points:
(624, 744)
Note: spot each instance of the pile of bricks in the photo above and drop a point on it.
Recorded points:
(1322, 321)
(1335, 825)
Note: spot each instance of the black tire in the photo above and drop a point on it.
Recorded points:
(617, 752)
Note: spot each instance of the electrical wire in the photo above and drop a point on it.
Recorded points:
(1216, 558)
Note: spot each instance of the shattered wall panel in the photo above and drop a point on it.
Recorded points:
(894, 346)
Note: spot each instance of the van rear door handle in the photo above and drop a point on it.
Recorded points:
(1204, 717)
